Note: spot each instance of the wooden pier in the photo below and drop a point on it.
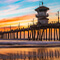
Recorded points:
(42, 32)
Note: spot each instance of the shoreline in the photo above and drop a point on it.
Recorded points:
(29, 44)
(48, 46)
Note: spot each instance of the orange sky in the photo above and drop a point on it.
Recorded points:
(23, 20)
(25, 17)
(15, 21)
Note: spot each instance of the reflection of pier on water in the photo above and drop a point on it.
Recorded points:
(31, 55)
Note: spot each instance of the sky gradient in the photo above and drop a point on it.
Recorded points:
(13, 12)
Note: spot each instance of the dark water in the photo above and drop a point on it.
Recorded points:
(30, 53)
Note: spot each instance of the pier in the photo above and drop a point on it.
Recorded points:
(40, 31)
(44, 32)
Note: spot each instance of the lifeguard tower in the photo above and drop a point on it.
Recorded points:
(42, 14)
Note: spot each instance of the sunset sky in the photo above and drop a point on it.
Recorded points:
(13, 12)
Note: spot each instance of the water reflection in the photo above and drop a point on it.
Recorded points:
(35, 54)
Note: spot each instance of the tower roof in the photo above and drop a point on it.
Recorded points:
(42, 7)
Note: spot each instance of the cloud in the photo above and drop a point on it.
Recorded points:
(52, 4)
(9, 1)
(52, 12)
(32, 0)
(14, 10)
(12, 0)
(11, 8)
(54, 7)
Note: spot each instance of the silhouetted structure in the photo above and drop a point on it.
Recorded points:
(42, 15)
(41, 31)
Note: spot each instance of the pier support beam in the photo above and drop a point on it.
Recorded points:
(46, 33)
(1, 36)
(17, 35)
(14, 35)
(42, 34)
(51, 33)
(8, 35)
(32, 34)
(54, 34)
(59, 33)
(28, 35)
(24, 34)
(20, 34)
(39, 34)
